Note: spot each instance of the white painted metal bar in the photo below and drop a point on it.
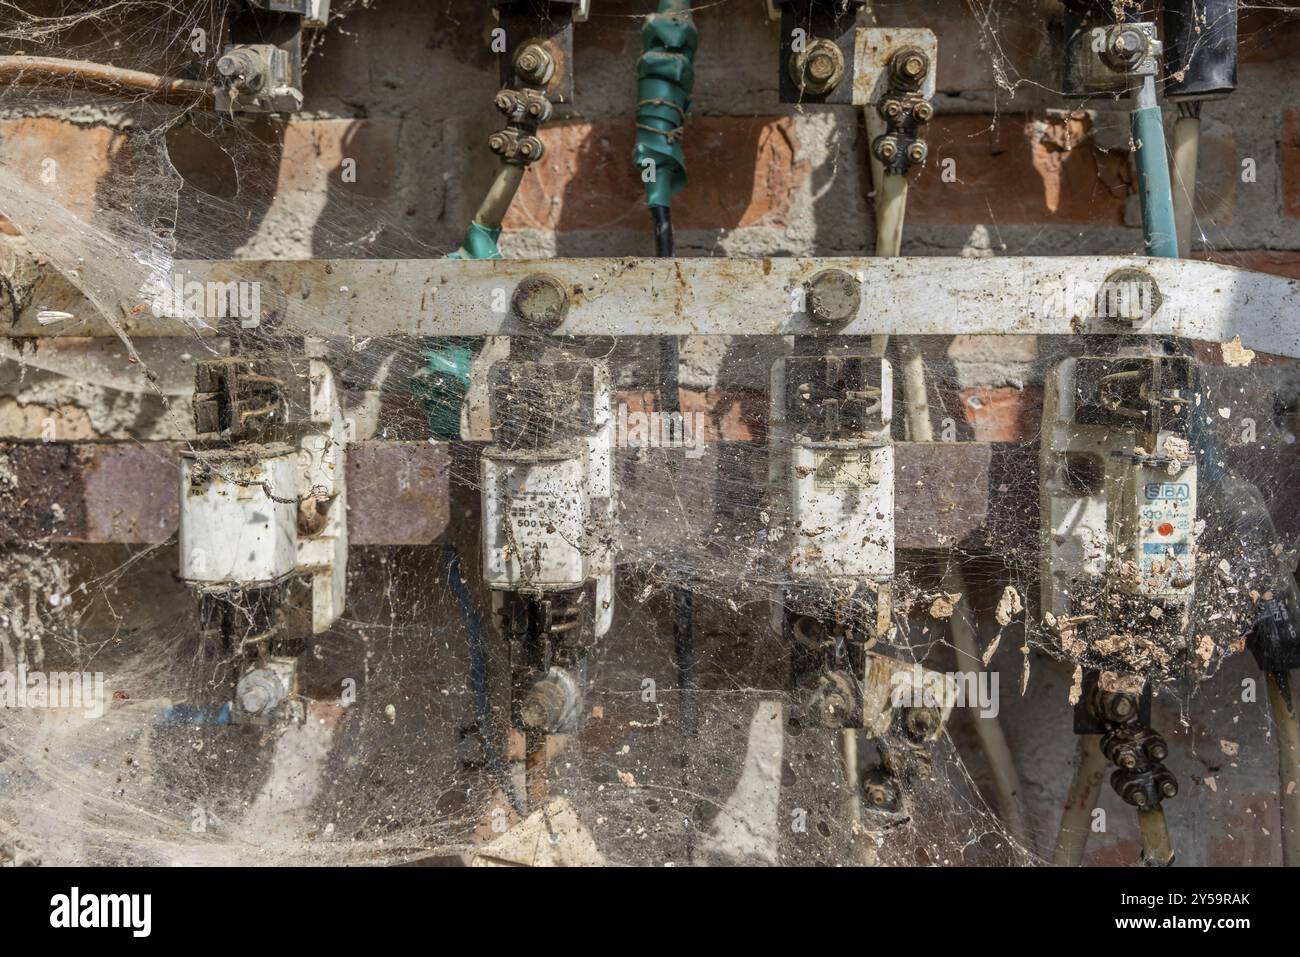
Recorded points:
(735, 297)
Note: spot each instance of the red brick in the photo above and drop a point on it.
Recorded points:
(1279, 262)
(731, 415)
(743, 171)
(1004, 414)
(1019, 169)
(1289, 148)
(81, 155)
(314, 151)
(1268, 36)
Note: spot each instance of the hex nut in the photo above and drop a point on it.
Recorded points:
(818, 68)
(534, 64)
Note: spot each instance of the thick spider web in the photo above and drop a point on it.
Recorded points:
(418, 766)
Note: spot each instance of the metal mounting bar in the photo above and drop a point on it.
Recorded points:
(650, 297)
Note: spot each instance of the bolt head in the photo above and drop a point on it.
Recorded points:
(534, 64)
(888, 149)
(821, 67)
(921, 722)
(254, 700)
(832, 297)
(911, 66)
(541, 301)
(818, 68)
(917, 152)
(259, 691)
(1169, 789)
(924, 111)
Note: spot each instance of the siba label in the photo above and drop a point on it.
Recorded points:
(1168, 492)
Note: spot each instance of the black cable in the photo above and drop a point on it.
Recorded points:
(663, 220)
(670, 402)
(669, 354)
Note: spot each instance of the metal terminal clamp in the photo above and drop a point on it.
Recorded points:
(905, 108)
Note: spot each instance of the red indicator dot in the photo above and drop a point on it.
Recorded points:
(1166, 529)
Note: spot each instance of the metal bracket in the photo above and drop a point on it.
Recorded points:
(817, 50)
(874, 51)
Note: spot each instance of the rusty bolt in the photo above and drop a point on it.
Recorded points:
(260, 691)
(917, 152)
(921, 722)
(541, 301)
(531, 149)
(910, 66)
(832, 297)
(818, 68)
(1126, 48)
(243, 69)
(891, 109)
(886, 148)
(878, 795)
(1117, 707)
(924, 111)
(543, 706)
(534, 64)
(1169, 788)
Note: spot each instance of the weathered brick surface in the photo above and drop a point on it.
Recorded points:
(1019, 169)
(58, 160)
(315, 152)
(1279, 262)
(744, 171)
(1289, 154)
(1004, 414)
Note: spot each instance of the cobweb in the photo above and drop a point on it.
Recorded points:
(405, 750)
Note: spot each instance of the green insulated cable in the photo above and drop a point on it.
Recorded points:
(443, 381)
(665, 75)
(480, 243)
(1155, 194)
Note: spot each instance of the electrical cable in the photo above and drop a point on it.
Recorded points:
(478, 676)
(31, 69)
